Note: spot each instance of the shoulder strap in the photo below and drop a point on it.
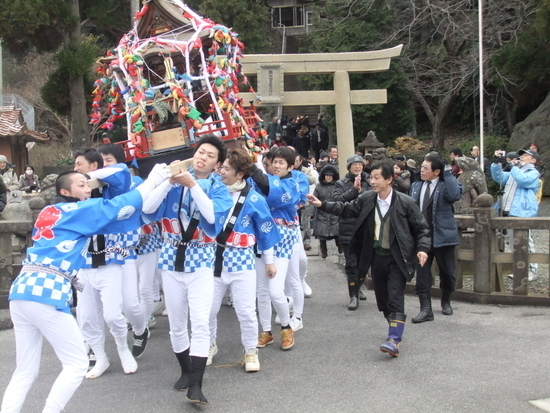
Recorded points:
(224, 235)
(186, 236)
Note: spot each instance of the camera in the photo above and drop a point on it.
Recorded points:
(501, 153)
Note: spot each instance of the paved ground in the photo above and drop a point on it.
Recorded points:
(482, 359)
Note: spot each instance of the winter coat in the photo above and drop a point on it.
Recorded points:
(402, 182)
(345, 192)
(409, 232)
(447, 192)
(3, 196)
(326, 225)
(29, 183)
(525, 202)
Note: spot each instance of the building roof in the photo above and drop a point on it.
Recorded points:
(371, 142)
(11, 124)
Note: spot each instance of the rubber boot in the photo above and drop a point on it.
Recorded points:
(395, 332)
(129, 363)
(426, 313)
(194, 392)
(323, 247)
(353, 295)
(185, 364)
(446, 308)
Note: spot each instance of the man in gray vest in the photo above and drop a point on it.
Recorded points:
(391, 236)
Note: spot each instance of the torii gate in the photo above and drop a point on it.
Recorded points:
(271, 68)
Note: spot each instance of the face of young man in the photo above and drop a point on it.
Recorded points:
(79, 188)
(267, 166)
(108, 159)
(333, 153)
(205, 160)
(83, 166)
(426, 173)
(356, 168)
(280, 167)
(475, 151)
(378, 182)
(229, 174)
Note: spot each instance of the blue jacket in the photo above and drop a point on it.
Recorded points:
(447, 192)
(525, 202)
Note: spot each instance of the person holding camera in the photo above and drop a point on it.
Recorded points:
(28, 182)
(520, 189)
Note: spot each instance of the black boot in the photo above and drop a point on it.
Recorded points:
(426, 313)
(194, 393)
(185, 363)
(446, 308)
(353, 295)
(323, 247)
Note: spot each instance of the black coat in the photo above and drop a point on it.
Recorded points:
(326, 225)
(409, 231)
(345, 192)
(301, 145)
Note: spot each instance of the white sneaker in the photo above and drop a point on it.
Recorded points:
(296, 324)
(152, 321)
(211, 353)
(277, 319)
(165, 313)
(307, 289)
(251, 361)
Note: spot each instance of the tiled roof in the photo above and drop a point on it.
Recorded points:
(11, 125)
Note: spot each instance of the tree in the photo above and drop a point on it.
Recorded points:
(64, 27)
(342, 26)
(248, 18)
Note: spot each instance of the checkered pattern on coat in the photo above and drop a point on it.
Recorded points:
(238, 259)
(43, 288)
(195, 257)
(289, 237)
(149, 243)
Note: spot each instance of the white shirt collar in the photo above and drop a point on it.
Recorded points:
(388, 198)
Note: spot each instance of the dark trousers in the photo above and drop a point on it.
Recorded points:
(389, 284)
(445, 257)
(351, 265)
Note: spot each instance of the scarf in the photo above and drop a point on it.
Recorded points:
(237, 186)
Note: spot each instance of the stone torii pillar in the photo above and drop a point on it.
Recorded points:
(271, 68)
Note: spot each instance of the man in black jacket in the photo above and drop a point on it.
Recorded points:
(345, 190)
(390, 235)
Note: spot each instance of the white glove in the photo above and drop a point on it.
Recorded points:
(158, 174)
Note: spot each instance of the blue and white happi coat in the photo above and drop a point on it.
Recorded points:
(282, 200)
(254, 226)
(61, 237)
(200, 251)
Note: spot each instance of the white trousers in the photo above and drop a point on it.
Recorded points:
(189, 295)
(31, 322)
(293, 283)
(101, 300)
(243, 290)
(147, 268)
(272, 291)
(131, 306)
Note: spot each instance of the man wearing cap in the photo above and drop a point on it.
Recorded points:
(520, 191)
(345, 190)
